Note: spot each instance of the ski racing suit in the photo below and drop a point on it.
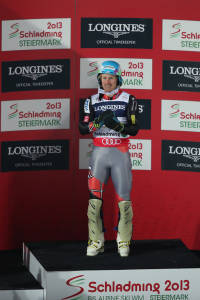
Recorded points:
(110, 155)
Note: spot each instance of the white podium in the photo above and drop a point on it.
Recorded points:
(155, 270)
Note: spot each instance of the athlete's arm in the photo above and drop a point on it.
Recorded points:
(84, 116)
(132, 126)
(87, 122)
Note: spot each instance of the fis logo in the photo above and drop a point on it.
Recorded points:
(176, 30)
(94, 68)
(15, 30)
(14, 112)
(175, 110)
(75, 282)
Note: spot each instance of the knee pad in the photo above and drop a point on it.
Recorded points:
(95, 186)
(95, 224)
(125, 226)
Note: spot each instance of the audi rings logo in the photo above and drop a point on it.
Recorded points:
(111, 142)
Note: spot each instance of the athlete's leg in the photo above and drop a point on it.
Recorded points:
(98, 175)
(121, 174)
(125, 227)
(122, 179)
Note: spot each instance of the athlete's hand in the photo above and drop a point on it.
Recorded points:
(114, 124)
(106, 115)
(95, 124)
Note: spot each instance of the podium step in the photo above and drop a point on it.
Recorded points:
(155, 270)
(145, 254)
(16, 282)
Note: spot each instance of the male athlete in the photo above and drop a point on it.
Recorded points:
(111, 116)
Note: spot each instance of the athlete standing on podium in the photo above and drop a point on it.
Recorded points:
(111, 116)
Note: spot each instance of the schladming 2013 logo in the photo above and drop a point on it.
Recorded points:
(94, 68)
(76, 283)
(175, 110)
(176, 30)
(14, 111)
(15, 30)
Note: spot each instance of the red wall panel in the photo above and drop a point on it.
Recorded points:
(165, 202)
(38, 205)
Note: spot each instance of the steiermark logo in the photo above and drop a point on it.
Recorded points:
(176, 30)
(15, 30)
(76, 282)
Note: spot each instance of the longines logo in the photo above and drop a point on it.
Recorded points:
(192, 153)
(116, 33)
(192, 73)
(35, 71)
(116, 30)
(181, 76)
(35, 75)
(34, 152)
(35, 155)
(181, 155)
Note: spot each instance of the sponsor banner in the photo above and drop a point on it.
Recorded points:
(35, 155)
(37, 114)
(29, 75)
(180, 115)
(149, 284)
(33, 34)
(181, 35)
(116, 33)
(136, 72)
(140, 153)
(181, 76)
(181, 156)
(144, 116)
(85, 150)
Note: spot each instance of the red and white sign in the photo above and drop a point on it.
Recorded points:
(33, 34)
(181, 35)
(140, 152)
(180, 115)
(124, 284)
(129, 284)
(136, 73)
(38, 114)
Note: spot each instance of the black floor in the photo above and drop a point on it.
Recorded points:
(145, 254)
(13, 275)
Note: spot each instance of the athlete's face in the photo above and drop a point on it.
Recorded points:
(109, 82)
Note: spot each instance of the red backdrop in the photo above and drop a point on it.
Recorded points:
(52, 205)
